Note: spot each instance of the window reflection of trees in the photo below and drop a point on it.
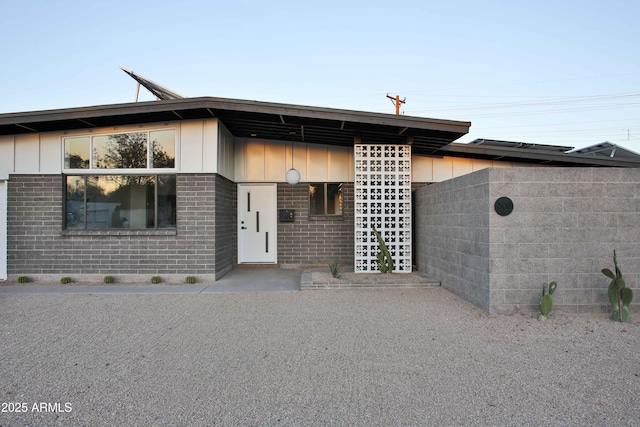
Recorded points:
(109, 201)
(123, 151)
(127, 200)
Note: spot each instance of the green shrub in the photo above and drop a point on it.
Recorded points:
(65, 280)
(109, 279)
(191, 280)
(156, 279)
(23, 279)
(335, 269)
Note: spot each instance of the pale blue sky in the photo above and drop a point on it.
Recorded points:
(550, 72)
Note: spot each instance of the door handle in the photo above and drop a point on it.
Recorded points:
(244, 228)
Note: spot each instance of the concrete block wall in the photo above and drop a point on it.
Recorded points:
(565, 224)
(314, 240)
(38, 245)
(452, 235)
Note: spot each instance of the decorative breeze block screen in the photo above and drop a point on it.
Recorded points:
(382, 200)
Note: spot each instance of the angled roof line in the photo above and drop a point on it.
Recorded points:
(248, 119)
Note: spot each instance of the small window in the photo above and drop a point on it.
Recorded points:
(325, 199)
(76, 153)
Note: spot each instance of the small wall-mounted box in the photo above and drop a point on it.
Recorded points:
(287, 215)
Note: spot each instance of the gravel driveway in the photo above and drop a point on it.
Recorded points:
(346, 357)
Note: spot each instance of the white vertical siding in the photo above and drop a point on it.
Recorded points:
(254, 169)
(299, 154)
(198, 146)
(7, 154)
(51, 153)
(340, 164)
(27, 154)
(209, 146)
(427, 169)
(318, 163)
(275, 161)
(268, 161)
(462, 167)
(421, 169)
(226, 163)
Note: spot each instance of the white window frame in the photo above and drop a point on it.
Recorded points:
(91, 170)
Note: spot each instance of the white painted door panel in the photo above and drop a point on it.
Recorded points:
(257, 224)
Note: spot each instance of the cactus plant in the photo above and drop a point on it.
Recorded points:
(619, 295)
(156, 279)
(23, 279)
(109, 279)
(546, 300)
(191, 280)
(65, 280)
(385, 262)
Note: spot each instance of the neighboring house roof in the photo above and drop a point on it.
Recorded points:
(524, 145)
(607, 149)
(518, 152)
(249, 119)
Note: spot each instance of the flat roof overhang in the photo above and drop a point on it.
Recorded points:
(252, 119)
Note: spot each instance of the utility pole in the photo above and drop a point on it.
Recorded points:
(396, 101)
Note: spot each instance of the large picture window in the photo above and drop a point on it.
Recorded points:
(154, 149)
(120, 201)
(325, 199)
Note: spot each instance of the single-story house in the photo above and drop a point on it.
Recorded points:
(195, 186)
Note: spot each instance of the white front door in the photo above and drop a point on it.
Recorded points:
(257, 226)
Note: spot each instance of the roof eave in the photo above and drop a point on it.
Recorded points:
(26, 118)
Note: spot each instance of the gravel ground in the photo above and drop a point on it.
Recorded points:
(375, 357)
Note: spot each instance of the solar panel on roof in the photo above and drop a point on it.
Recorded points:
(156, 89)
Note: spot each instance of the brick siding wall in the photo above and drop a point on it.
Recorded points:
(226, 225)
(312, 240)
(37, 244)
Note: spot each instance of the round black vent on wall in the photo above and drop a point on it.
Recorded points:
(504, 206)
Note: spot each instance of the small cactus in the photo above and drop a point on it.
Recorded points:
(619, 295)
(109, 279)
(65, 280)
(23, 279)
(156, 279)
(191, 280)
(546, 300)
(385, 262)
